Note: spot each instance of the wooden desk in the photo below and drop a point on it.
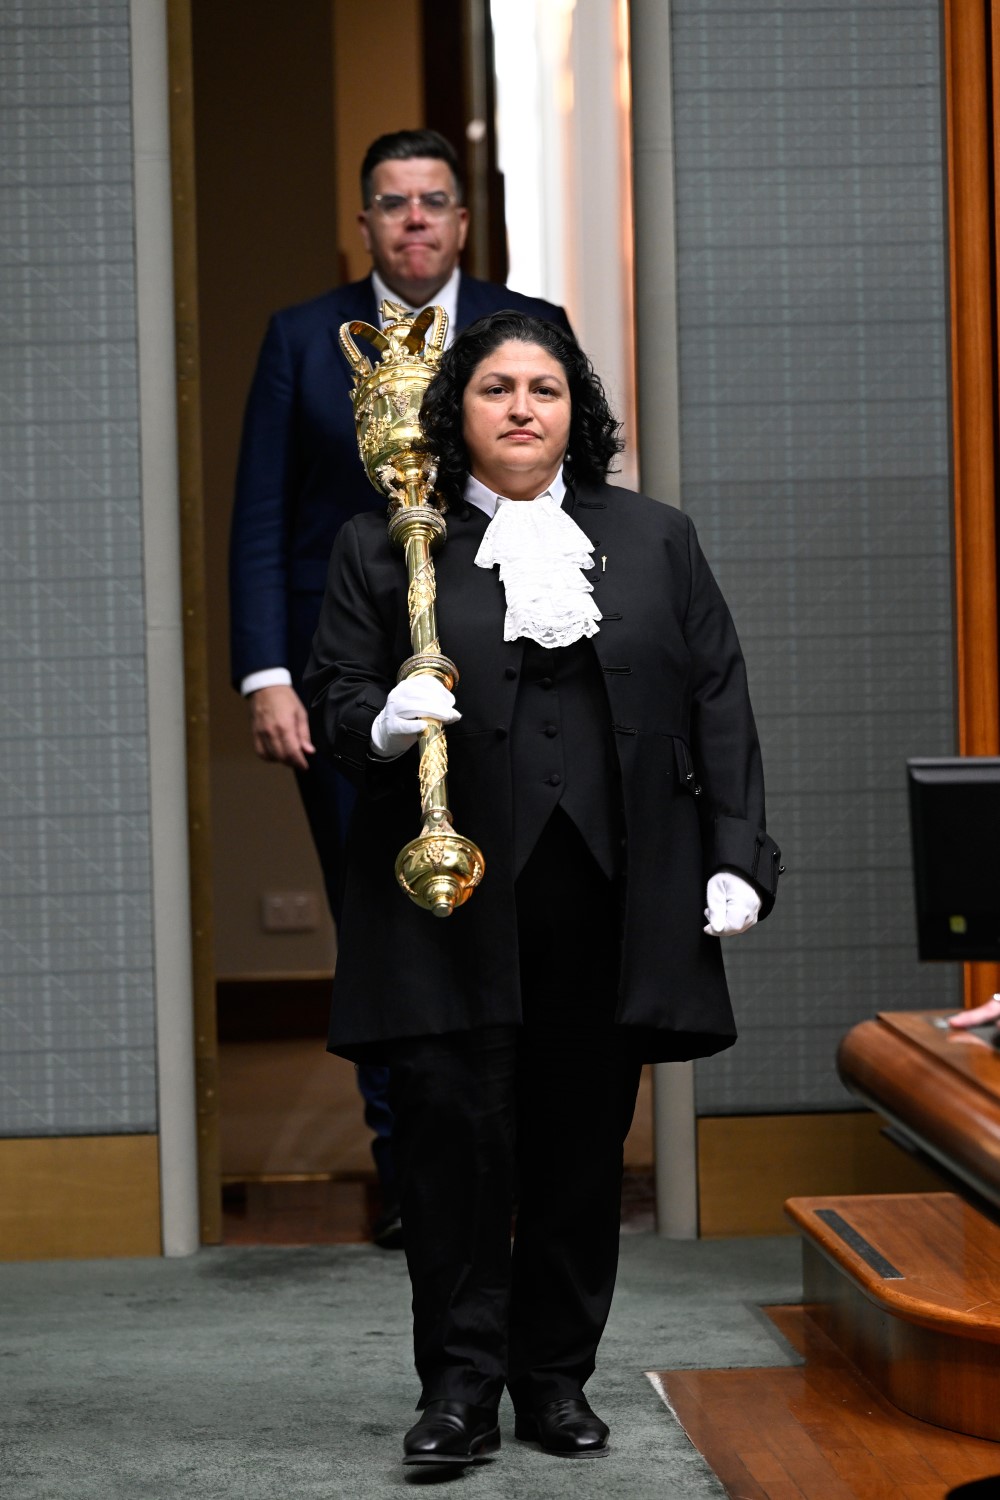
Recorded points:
(940, 1088)
(908, 1286)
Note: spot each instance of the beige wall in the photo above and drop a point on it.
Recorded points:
(266, 238)
(364, 109)
(284, 108)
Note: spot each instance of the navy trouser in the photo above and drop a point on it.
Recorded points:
(328, 799)
(540, 1109)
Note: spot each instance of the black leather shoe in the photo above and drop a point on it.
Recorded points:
(452, 1432)
(387, 1231)
(566, 1427)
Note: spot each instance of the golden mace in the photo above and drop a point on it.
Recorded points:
(440, 869)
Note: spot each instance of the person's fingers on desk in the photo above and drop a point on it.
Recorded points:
(981, 1016)
(279, 725)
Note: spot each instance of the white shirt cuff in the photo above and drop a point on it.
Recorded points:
(269, 677)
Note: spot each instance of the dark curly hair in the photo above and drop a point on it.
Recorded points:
(593, 432)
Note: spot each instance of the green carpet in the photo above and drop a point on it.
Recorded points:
(240, 1374)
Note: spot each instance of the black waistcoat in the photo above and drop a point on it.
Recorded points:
(563, 754)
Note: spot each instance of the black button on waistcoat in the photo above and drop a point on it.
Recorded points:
(562, 751)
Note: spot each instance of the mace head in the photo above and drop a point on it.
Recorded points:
(388, 392)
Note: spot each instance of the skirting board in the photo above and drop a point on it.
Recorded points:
(749, 1164)
(79, 1197)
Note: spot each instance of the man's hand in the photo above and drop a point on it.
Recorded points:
(280, 727)
(981, 1016)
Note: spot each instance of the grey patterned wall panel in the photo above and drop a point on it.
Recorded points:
(76, 979)
(814, 446)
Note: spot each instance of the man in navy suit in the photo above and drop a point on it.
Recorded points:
(300, 478)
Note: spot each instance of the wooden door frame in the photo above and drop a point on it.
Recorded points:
(185, 262)
(971, 37)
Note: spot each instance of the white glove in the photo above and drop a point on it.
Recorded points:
(407, 709)
(733, 905)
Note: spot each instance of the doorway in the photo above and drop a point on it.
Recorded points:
(280, 116)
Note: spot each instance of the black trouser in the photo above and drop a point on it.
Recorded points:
(541, 1109)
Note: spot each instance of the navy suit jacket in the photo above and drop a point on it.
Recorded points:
(300, 477)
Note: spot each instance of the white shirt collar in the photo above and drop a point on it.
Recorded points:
(447, 298)
(488, 500)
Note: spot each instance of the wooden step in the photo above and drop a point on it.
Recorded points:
(908, 1287)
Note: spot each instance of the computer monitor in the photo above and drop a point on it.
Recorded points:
(955, 828)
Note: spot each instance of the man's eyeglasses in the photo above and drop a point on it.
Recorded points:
(396, 205)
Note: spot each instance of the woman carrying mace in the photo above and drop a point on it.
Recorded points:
(603, 756)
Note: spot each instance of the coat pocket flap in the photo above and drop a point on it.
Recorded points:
(684, 765)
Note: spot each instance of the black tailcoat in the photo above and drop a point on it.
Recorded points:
(691, 778)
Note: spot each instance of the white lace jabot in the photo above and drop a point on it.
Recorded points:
(541, 552)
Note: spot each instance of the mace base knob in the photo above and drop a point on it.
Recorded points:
(439, 869)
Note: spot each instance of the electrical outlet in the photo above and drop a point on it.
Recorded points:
(289, 911)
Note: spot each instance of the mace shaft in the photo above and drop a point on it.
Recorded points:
(440, 869)
(427, 661)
